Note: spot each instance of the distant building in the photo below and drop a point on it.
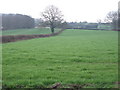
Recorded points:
(105, 26)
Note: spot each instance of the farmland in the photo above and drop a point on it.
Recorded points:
(75, 57)
(26, 31)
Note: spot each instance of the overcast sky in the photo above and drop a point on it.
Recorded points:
(73, 10)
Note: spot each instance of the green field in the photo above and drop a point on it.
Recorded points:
(75, 57)
(27, 31)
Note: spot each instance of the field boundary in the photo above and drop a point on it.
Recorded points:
(14, 38)
(95, 29)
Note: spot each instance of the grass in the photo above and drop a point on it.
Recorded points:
(74, 57)
(27, 31)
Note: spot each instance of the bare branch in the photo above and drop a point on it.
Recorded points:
(113, 15)
(53, 16)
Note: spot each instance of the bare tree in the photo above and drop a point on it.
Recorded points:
(99, 21)
(119, 15)
(52, 16)
(112, 17)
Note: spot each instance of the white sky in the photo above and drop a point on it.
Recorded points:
(73, 10)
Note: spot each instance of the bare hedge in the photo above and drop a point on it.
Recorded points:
(14, 38)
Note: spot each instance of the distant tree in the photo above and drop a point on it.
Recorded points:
(0, 21)
(112, 17)
(38, 22)
(119, 21)
(99, 21)
(52, 17)
(16, 21)
(119, 16)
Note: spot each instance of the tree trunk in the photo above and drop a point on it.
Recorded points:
(52, 28)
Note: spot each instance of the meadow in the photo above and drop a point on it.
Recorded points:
(81, 58)
(27, 31)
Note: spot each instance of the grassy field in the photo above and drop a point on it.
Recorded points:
(27, 31)
(75, 57)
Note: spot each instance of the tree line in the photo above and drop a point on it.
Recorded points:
(16, 21)
(119, 20)
(53, 18)
(119, 16)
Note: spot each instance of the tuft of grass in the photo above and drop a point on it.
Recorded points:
(74, 57)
